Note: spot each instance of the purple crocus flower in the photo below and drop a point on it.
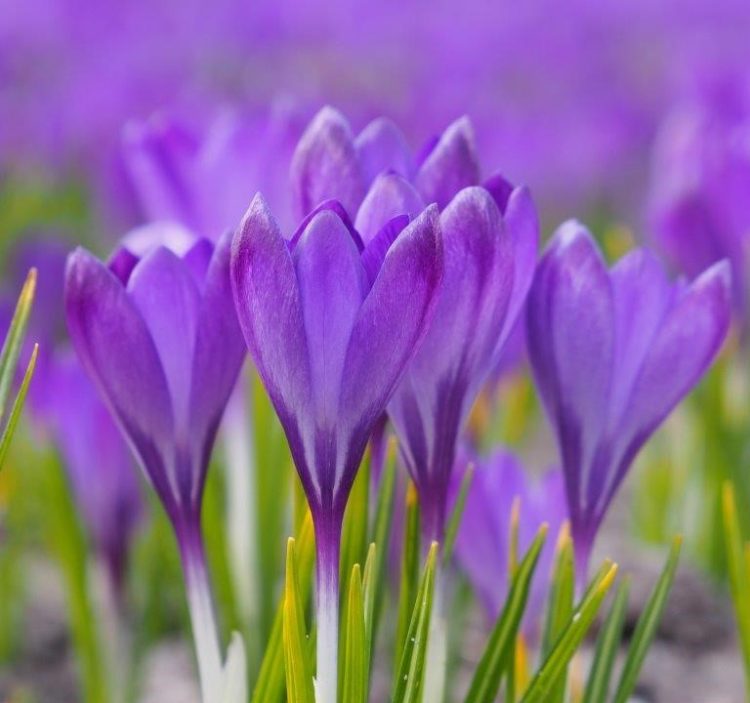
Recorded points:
(700, 205)
(612, 352)
(205, 178)
(331, 324)
(157, 332)
(490, 238)
(483, 541)
(97, 462)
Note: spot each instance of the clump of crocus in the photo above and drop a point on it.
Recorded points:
(490, 236)
(156, 330)
(483, 544)
(331, 325)
(612, 352)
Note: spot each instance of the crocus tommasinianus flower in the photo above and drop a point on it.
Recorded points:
(97, 462)
(483, 541)
(490, 236)
(157, 332)
(612, 352)
(331, 325)
(701, 189)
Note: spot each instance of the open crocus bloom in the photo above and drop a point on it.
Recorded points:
(157, 332)
(331, 325)
(613, 351)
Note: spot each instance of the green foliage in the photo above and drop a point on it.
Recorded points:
(299, 679)
(354, 689)
(410, 676)
(409, 571)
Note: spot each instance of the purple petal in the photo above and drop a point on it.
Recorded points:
(390, 195)
(270, 314)
(325, 165)
(451, 165)
(336, 207)
(117, 351)
(381, 146)
(376, 251)
(391, 322)
(167, 297)
(332, 285)
(219, 351)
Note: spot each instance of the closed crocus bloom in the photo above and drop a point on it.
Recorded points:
(157, 332)
(483, 540)
(331, 326)
(490, 255)
(97, 462)
(612, 352)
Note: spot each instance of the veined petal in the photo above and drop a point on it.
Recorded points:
(219, 351)
(325, 164)
(167, 297)
(391, 195)
(116, 348)
(390, 324)
(270, 314)
(332, 286)
(381, 146)
(450, 166)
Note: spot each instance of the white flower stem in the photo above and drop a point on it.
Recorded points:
(205, 631)
(327, 606)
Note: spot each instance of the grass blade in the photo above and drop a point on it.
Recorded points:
(499, 654)
(571, 638)
(15, 412)
(607, 644)
(354, 689)
(409, 570)
(299, 679)
(14, 338)
(409, 680)
(454, 523)
(647, 624)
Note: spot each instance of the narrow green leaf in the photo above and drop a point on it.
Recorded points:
(499, 653)
(355, 529)
(409, 570)
(354, 689)
(410, 676)
(15, 412)
(647, 624)
(14, 338)
(572, 636)
(458, 511)
(560, 606)
(369, 587)
(381, 533)
(607, 644)
(271, 683)
(299, 679)
(739, 576)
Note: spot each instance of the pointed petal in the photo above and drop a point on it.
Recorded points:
(450, 166)
(390, 324)
(390, 195)
(219, 352)
(376, 251)
(332, 286)
(167, 297)
(381, 146)
(325, 165)
(268, 306)
(116, 349)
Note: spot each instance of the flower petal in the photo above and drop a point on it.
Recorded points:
(325, 165)
(116, 349)
(332, 286)
(167, 297)
(450, 166)
(391, 195)
(381, 146)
